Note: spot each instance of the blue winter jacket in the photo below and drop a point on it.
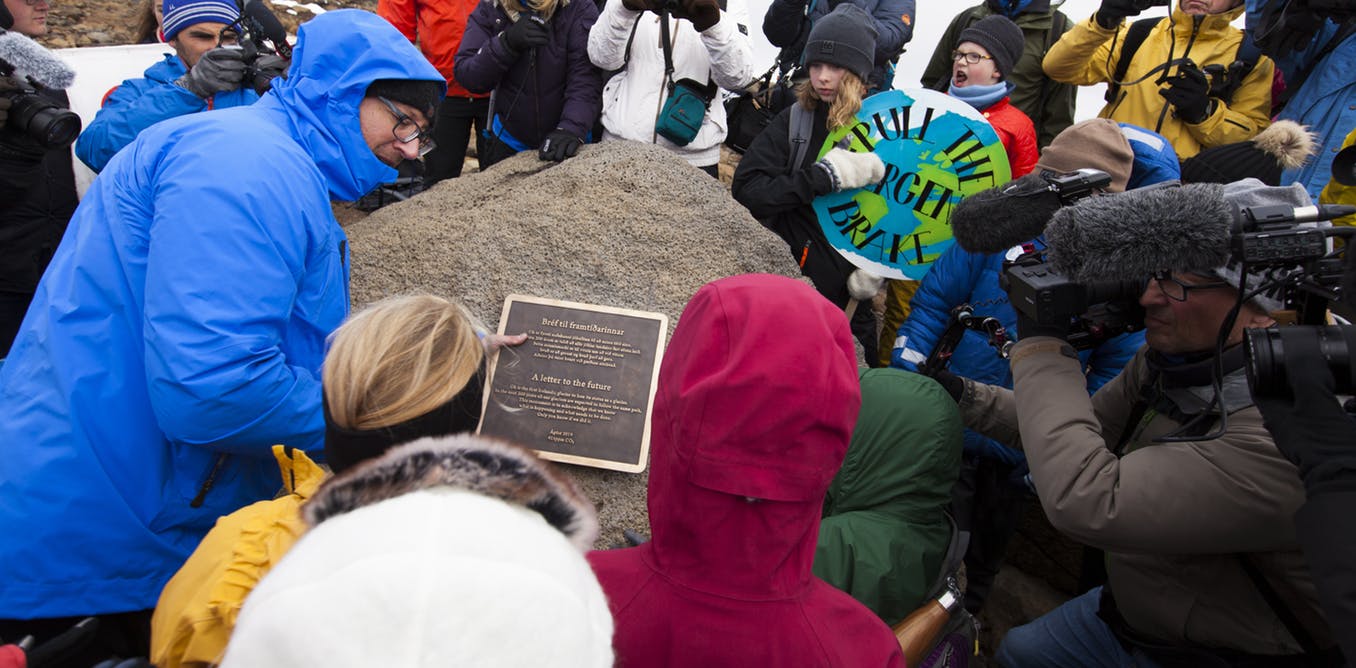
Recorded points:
(137, 104)
(178, 332)
(1325, 102)
(787, 25)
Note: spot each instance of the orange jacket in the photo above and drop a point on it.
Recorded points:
(437, 26)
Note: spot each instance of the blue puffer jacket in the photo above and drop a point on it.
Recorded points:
(137, 104)
(178, 332)
(960, 277)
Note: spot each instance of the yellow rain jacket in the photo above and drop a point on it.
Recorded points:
(1336, 193)
(1088, 54)
(198, 608)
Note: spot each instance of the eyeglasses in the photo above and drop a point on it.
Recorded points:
(406, 130)
(969, 57)
(1178, 291)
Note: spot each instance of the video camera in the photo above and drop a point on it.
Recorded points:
(260, 34)
(1094, 312)
(34, 69)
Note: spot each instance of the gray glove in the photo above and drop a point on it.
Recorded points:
(267, 68)
(220, 69)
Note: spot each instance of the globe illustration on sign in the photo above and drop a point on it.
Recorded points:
(937, 149)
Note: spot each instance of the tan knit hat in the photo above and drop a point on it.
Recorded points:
(1097, 144)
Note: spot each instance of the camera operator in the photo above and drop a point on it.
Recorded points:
(1202, 560)
(1164, 85)
(207, 71)
(37, 187)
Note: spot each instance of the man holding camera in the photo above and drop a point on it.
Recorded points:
(1170, 75)
(1172, 475)
(178, 333)
(207, 71)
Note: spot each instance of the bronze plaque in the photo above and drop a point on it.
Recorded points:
(581, 388)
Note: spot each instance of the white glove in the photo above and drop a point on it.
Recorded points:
(863, 285)
(850, 170)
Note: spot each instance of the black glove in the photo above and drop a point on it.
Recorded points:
(953, 384)
(643, 5)
(1027, 328)
(1286, 27)
(702, 13)
(1112, 12)
(559, 145)
(528, 32)
(1311, 429)
(267, 68)
(1189, 94)
(220, 69)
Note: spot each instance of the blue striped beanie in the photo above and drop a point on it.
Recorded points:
(180, 14)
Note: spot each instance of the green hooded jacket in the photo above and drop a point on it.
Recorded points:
(884, 531)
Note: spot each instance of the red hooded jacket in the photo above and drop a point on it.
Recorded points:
(756, 402)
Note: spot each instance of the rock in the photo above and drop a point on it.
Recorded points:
(622, 224)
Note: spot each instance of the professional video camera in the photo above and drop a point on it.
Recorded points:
(1094, 312)
(1134, 235)
(31, 115)
(260, 34)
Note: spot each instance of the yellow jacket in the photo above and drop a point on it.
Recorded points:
(198, 608)
(1085, 56)
(1336, 193)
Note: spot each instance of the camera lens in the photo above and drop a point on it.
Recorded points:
(1266, 358)
(43, 120)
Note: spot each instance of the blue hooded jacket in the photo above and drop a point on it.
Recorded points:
(960, 277)
(178, 333)
(137, 104)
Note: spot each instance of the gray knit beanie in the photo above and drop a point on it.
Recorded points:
(846, 37)
(1000, 37)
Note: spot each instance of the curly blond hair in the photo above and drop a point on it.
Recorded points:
(843, 111)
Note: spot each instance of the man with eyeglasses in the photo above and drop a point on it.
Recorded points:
(206, 71)
(178, 333)
(37, 187)
(1168, 469)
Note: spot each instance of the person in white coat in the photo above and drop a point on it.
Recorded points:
(710, 44)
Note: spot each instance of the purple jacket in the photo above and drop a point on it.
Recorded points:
(559, 88)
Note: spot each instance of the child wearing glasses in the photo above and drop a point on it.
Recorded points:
(984, 55)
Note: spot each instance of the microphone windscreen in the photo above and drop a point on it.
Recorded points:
(273, 28)
(31, 59)
(1131, 235)
(994, 220)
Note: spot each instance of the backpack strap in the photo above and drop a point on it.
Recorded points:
(951, 562)
(1134, 38)
(626, 56)
(798, 132)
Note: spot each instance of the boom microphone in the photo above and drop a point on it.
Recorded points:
(994, 220)
(1132, 235)
(31, 61)
(272, 27)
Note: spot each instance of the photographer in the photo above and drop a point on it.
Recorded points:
(37, 186)
(1163, 84)
(207, 71)
(1194, 509)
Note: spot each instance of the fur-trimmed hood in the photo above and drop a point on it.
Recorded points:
(496, 469)
(1290, 143)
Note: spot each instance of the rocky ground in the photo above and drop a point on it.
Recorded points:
(109, 22)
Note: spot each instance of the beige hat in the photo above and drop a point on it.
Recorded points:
(1097, 144)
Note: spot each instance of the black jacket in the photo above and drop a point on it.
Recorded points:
(37, 198)
(781, 199)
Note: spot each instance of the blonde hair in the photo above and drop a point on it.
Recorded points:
(845, 105)
(543, 7)
(398, 359)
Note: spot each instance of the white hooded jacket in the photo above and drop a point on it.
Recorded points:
(632, 99)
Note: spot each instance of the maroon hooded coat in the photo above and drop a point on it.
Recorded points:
(757, 397)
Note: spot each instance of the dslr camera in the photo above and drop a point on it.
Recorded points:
(37, 118)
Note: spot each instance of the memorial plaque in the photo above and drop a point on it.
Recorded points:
(581, 388)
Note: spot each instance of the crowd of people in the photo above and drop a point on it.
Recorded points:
(176, 346)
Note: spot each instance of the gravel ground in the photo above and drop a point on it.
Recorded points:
(622, 224)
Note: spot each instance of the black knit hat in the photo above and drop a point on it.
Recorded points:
(846, 38)
(1000, 37)
(1283, 145)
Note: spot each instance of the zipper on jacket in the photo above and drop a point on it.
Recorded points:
(209, 481)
